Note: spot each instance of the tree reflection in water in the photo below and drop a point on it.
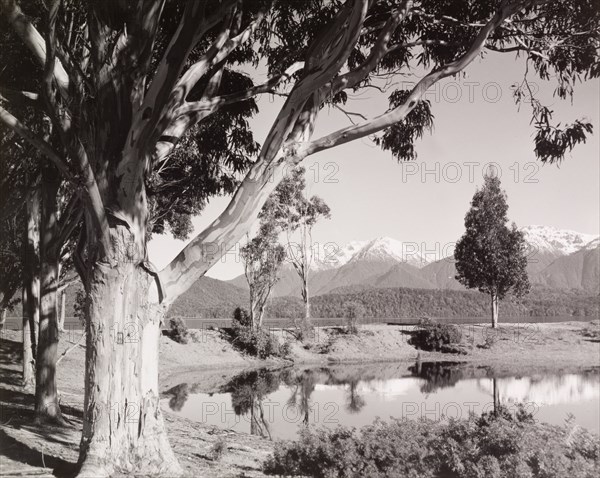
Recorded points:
(355, 402)
(179, 395)
(303, 385)
(248, 392)
(437, 375)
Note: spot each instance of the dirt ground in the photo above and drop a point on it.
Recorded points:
(29, 450)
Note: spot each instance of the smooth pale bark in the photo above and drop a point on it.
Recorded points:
(2, 318)
(123, 429)
(63, 305)
(494, 310)
(307, 328)
(31, 288)
(46, 392)
(306, 298)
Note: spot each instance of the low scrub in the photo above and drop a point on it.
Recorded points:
(433, 336)
(354, 313)
(490, 446)
(255, 341)
(178, 331)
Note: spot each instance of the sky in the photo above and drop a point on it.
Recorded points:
(424, 202)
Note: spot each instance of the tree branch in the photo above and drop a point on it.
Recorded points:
(69, 219)
(163, 92)
(20, 98)
(378, 51)
(215, 103)
(325, 57)
(33, 40)
(399, 113)
(174, 124)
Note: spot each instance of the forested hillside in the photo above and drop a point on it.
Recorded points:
(404, 302)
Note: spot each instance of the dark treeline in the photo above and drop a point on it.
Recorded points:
(381, 303)
(404, 302)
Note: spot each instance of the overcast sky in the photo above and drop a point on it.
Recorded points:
(476, 122)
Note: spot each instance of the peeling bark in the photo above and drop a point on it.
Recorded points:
(63, 306)
(31, 288)
(123, 429)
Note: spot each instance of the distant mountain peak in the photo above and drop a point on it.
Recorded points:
(593, 244)
(386, 249)
(331, 255)
(560, 242)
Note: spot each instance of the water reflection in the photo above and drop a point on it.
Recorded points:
(275, 403)
(438, 375)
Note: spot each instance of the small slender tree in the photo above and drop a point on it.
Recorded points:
(262, 257)
(296, 215)
(491, 256)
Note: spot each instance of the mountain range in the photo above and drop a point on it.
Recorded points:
(392, 279)
(557, 259)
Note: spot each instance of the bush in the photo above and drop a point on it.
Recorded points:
(494, 445)
(253, 341)
(354, 313)
(178, 331)
(434, 336)
(241, 317)
(218, 449)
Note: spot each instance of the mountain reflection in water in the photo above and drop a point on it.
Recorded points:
(274, 404)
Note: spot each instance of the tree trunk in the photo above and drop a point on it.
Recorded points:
(306, 300)
(494, 310)
(123, 429)
(61, 319)
(496, 397)
(46, 393)
(28, 345)
(253, 310)
(306, 322)
(2, 318)
(31, 288)
(306, 327)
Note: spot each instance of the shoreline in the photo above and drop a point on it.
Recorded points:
(555, 347)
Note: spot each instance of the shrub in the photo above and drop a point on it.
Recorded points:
(494, 445)
(434, 336)
(592, 331)
(286, 349)
(254, 341)
(178, 331)
(242, 318)
(354, 313)
(218, 449)
(489, 342)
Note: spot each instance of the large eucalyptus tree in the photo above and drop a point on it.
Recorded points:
(125, 81)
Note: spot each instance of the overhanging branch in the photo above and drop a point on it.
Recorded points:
(397, 114)
(219, 101)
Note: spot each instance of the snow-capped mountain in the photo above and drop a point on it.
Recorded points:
(593, 244)
(559, 242)
(387, 249)
(559, 259)
(331, 255)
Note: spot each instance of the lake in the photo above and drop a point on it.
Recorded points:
(275, 404)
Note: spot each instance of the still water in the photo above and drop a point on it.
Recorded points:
(275, 404)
